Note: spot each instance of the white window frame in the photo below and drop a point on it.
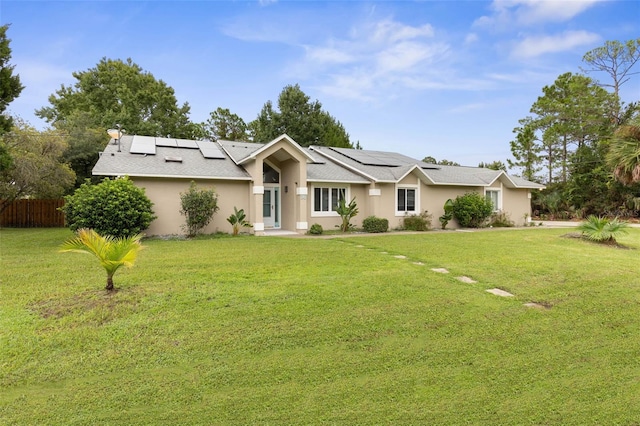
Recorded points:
(328, 213)
(405, 212)
(498, 197)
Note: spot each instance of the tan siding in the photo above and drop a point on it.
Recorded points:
(432, 199)
(516, 202)
(165, 194)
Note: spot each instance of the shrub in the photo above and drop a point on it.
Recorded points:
(500, 219)
(113, 207)
(603, 230)
(375, 224)
(448, 213)
(238, 220)
(347, 212)
(471, 209)
(421, 222)
(316, 229)
(198, 206)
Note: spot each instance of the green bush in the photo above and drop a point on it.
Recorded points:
(113, 207)
(414, 222)
(471, 210)
(500, 219)
(198, 206)
(603, 230)
(375, 224)
(316, 229)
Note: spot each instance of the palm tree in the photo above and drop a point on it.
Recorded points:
(111, 252)
(624, 152)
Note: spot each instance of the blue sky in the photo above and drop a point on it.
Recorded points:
(448, 79)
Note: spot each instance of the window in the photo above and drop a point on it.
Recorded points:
(406, 200)
(494, 197)
(327, 199)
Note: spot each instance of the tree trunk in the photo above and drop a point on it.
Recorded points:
(109, 286)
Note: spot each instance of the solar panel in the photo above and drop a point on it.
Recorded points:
(166, 142)
(372, 158)
(185, 143)
(210, 150)
(143, 145)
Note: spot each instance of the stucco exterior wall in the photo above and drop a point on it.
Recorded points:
(165, 195)
(516, 203)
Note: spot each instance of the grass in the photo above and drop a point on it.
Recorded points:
(253, 330)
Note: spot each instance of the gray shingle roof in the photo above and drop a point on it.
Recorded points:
(187, 159)
(164, 163)
(390, 167)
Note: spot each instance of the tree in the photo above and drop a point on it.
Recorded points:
(222, 124)
(117, 92)
(10, 86)
(302, 120)
(494, 165)
(525, 151)
(346, 213)
(111, 252)
(616, 59)
(572, 112)
(114, 207)
(430, 160)
(198, 206)
(32, 164)
(84, 145)
(624, 152)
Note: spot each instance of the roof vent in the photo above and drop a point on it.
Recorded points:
(173, 159)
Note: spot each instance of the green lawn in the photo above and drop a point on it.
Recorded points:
(270, 330)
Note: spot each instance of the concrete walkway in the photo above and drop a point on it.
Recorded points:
(569, 223)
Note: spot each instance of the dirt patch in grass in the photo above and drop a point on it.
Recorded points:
(97, 306)
(579, 236)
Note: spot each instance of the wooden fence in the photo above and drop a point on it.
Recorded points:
(33, 214)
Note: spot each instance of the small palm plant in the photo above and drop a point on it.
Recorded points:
(603, 230)
(238, 220)
(111, 252)
(347, 212)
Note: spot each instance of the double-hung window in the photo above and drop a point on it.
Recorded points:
(493, 196)
(327, 199)
(406, 200)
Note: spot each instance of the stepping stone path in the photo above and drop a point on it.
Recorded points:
(465, 279)
(499, 292)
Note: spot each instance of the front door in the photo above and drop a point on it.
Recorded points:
(271, 207)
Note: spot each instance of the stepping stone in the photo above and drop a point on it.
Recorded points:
(535, 305)
(359, 246)
(440, 270)
(466, 280)
(400, 256)
(384, 252)
(499, 292)
(418, 263)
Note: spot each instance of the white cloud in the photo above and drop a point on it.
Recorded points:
(471, 38)
(531, 47)
(516, 13)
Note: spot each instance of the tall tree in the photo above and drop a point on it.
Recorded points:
(10, 86)
(303, 120)
(84, 144)
(37, 169)
(616, 59)
(120, 92)
(223, 124)
(572, 112)
(526, 151)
